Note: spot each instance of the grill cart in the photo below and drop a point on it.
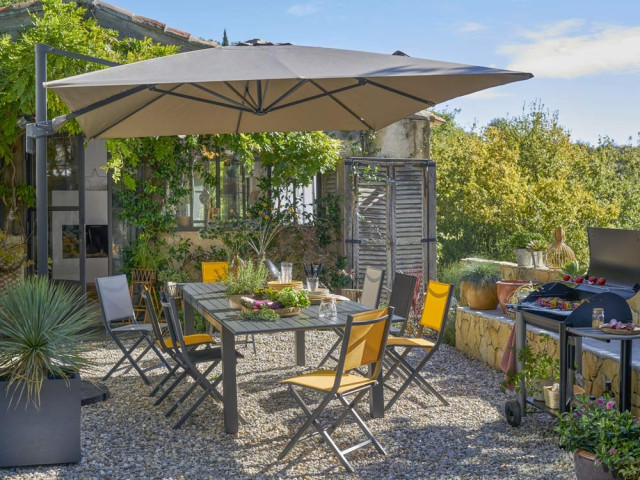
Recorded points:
(615, 256)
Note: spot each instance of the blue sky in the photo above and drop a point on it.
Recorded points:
(585, 55)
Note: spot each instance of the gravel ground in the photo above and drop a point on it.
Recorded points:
(127, 437)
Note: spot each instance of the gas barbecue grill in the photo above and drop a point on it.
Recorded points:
(614, 255)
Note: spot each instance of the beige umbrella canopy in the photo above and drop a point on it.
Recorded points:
(265, 88)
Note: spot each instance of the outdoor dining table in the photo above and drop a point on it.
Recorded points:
(210, 300)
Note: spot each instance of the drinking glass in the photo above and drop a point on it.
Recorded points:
(327, 308)
(312, 284)
(285, 272)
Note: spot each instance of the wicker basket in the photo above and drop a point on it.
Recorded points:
(552, 399)
(352, 294)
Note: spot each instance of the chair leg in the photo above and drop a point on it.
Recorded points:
(127, 356)
(415, 373)
(166, 378)
(198, 382)
(351, 409)
(166, 393)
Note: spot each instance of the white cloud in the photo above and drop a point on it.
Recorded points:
(471, 27)
(302, 9)
(571, 49)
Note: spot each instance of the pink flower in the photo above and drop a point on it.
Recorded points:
(610, 404)
(600, 401)
(613, 451)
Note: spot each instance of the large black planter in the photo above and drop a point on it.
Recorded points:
(586, 469)
(41, 437)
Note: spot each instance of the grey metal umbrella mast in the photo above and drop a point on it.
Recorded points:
(262, 89)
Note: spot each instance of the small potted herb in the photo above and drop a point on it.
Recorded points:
(478, 284)
(538, 248)
(519, 242)
(171, 277)
(245, 280)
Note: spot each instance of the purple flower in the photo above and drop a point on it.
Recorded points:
(613, 451)
(600, 401)
(610, 404)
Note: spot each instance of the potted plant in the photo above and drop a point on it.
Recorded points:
(41, 355)
(539, 370)
(519, 242)
(538, 248)
(478, 285)
(605, 441)
(248, 278)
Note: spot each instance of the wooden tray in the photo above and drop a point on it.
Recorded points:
(295, 284)
(615, 331)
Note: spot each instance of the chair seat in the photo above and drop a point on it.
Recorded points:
(189, 340)
(134, 327)
(323, 380)
(409, 342)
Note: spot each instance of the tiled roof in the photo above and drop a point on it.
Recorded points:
(110, 16)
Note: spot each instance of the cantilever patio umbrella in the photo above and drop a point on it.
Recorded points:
(264, 88)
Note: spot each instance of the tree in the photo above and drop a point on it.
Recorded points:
(225, 40)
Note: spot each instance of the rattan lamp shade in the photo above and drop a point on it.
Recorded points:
(559, 254)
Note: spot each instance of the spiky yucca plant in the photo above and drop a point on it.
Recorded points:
(41, 335)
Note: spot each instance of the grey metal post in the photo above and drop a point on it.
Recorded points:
(42, 203)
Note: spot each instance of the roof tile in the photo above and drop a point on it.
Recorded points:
(149, 21)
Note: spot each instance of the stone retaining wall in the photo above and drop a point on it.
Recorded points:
(483, 335)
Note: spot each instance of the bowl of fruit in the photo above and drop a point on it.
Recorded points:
(615, 327)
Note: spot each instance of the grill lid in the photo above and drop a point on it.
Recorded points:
(615, 255)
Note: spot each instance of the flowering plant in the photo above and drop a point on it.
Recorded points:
(599, 427)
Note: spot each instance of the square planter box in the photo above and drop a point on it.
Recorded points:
(41, 437)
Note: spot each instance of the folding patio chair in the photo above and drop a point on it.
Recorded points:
(434, 315)
(365, 337)
(401, 299)
(371, 291)
(215, 271)
(116, 306)
(166, 343)
(189, 361)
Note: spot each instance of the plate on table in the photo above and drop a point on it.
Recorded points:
(619, 331)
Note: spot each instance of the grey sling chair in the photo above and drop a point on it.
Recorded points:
(401, 299)
(364, 341)
(189, 361)
(371, 292)
(166, 343)
(116, 306)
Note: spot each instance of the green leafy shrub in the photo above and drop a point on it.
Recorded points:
(479, 273)
(248, 278)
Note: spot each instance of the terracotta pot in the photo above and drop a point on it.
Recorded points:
(586, 469)
(506, 289)
(480, 297)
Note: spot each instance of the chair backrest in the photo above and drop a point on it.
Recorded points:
(372, 287)
(215, 271)
(402, 293)
(436, 306)
(364, 341)
(175, 329)
(146, 294)
(115, 299)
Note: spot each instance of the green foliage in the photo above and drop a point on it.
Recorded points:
(598, 426)
(574, 268)
(289, 297)
(522, 238)
(538, 244)
(41, 325)
(146, 253)
(264, 314)
(538, 366)
(173, 275)
(525, 174)
(248, 278)
(225, 39)
(451, 274)
(63, 26)
(479, 273)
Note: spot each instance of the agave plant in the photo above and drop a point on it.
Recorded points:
(42, 327)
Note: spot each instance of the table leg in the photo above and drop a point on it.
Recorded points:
(521, 339)
(625, 375)
(300, 349)
(563, 374)
(376, 398)
(187, 309)
(229, 381)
